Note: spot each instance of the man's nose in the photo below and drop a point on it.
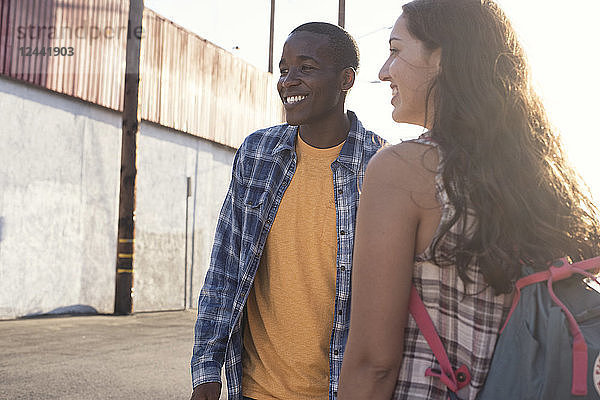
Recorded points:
(291, 78)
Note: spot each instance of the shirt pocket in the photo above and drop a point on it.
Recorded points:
(328, 222)
(254, 198)
(254, 214)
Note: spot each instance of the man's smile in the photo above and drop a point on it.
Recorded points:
(294, 99)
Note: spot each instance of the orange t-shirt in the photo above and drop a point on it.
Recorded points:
(291, 305)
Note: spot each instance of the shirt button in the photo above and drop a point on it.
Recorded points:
(342, 268)
(335, 352)
(340, 191)
(340, 313)
(335, 393)
(342, 232)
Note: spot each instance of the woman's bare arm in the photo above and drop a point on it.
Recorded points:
(398, 193)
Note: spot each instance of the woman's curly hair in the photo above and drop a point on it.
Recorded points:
(502, 160)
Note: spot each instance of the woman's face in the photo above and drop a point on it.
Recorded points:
(410, 69)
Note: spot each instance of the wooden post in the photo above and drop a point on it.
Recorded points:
(342, 13)
(130, 132)
(271, 36)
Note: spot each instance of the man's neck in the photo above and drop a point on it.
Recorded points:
(326, 133)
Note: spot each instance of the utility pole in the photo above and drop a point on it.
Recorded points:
(342, 13)
(271, 36)
(129, 136)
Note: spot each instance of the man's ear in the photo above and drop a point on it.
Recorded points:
(348, 76)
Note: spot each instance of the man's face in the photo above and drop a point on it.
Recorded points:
(309, 85)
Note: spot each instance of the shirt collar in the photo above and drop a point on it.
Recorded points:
(351, 153)
(286, 140)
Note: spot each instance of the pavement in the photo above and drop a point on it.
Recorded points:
(141, 356)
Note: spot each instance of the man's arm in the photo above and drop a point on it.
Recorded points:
(207, 391)
(215, 302)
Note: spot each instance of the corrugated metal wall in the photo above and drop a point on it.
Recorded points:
(188, 83)
(222, 97)
(94, 31)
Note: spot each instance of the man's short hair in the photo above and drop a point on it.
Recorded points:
(343, 46)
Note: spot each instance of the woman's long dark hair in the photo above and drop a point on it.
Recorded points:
(501, 158)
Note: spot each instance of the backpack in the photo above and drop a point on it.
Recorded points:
(549, 346)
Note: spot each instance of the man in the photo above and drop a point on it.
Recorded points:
(275, 303)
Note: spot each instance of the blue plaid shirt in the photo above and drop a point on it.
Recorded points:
(263, 168)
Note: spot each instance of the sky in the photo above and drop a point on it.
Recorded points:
(560, 39)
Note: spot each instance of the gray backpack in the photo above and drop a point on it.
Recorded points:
(549, 347)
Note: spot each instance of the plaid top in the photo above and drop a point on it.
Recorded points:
(263, 167)
(468, 324)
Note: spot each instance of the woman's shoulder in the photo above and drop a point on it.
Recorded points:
(405, 169)
(409, 161)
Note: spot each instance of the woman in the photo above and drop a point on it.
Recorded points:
(458, 210)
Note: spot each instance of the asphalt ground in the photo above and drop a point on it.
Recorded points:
(141, 356)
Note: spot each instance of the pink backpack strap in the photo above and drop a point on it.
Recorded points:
(453, 379)
(559, 270)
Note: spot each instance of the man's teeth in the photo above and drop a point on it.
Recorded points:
(294, 99)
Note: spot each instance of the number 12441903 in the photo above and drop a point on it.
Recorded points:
(46, 51)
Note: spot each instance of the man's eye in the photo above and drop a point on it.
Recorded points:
(283, 71)
(393, 51)
(306, 68)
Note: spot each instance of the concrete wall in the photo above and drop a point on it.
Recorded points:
(166, 159)
(59, 180)
(59, 171)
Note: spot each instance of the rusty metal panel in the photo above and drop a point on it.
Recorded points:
(194, 86)
(187, 83)
(75, 47)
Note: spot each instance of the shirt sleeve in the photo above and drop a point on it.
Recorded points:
(215, 302)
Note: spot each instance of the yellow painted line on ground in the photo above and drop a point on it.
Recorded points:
(126, 240)
(125, 255)
(124, 271)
